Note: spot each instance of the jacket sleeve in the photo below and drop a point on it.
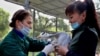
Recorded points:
(11, 49)
(71, 53)
(86, 45)
(35, 45)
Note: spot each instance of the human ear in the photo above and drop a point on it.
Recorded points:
(83, 15)
(18, 24)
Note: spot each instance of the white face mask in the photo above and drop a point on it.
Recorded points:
(25, 30)
(75, 25)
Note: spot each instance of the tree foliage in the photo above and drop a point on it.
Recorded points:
(44, 24)
(3, 22)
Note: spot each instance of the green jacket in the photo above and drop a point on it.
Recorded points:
(13, 45)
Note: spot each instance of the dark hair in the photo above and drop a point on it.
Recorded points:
(80, 7)
(19, 15)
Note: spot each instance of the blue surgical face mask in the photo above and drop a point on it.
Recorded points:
(75, 25)
(25, 30)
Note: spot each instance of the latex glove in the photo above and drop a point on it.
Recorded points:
(48, 49)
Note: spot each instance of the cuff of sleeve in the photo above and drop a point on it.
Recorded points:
(71, 53)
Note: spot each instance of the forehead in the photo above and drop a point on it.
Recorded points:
(73, 14)
(28, 18)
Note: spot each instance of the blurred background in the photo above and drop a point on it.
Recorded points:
(48, 16)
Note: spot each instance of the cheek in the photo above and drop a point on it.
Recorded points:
(70, 20)
(81, 19)
(25, 23)
(73, 20)
(77, 19)
(28, 24)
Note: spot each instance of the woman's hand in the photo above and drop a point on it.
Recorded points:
(47, 49)
(61, 50)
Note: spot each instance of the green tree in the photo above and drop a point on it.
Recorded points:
(62, 26)
(3, 23)
(44, 24)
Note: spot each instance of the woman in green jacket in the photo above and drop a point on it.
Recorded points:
(16, 43)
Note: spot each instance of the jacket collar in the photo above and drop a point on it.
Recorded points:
(81, 27)
(18, 33)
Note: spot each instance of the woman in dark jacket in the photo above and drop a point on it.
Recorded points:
(82, 17)
(17, 43)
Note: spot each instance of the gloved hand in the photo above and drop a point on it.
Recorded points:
(62, 39)
(47, 49)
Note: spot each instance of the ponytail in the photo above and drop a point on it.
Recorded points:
(91, 18)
